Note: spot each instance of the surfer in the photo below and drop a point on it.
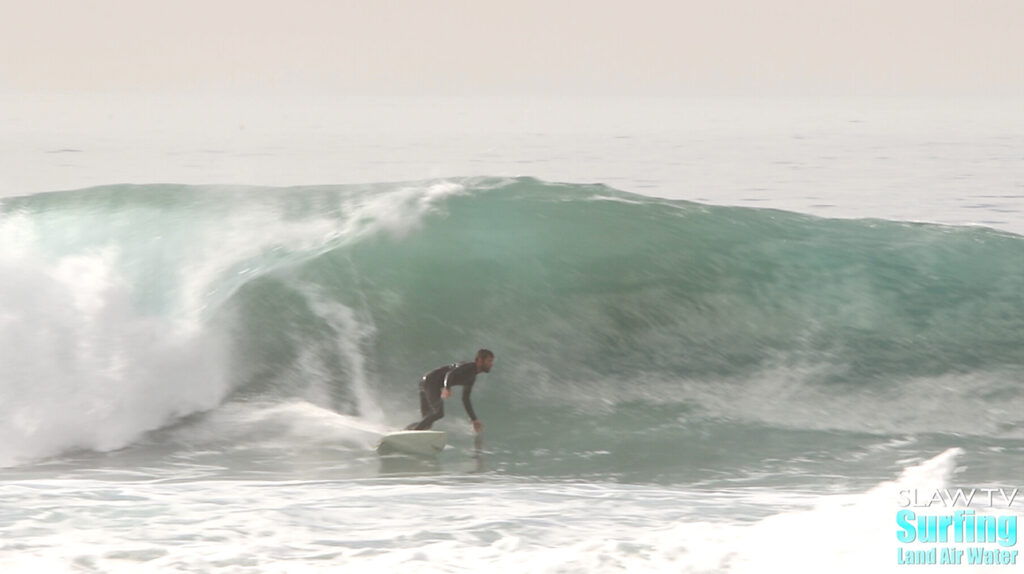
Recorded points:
(437, 385)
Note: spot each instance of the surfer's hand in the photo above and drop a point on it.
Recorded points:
(478, 426)
(445, 393)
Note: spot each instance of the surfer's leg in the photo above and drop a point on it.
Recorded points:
(425, 409)
(424, 402)
(431, 407)
(438, 413)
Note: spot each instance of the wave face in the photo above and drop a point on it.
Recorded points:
(125, 308)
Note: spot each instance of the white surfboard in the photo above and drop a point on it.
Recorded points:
(419, 442)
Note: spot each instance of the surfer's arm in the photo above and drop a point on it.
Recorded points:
(468, 404)
(460, 375)
(446, 391)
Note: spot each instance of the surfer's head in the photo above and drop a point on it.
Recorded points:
(484, 361)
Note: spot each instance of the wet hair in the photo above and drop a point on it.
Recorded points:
(484, 354)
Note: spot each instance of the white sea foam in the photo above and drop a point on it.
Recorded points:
(455, 525)
(81, 368)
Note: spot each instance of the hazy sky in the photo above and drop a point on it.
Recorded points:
(516, 47)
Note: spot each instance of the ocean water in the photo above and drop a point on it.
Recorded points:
(731, 336)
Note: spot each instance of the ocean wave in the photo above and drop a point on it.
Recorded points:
(127, 307)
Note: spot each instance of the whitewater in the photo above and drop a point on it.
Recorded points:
(730, 337)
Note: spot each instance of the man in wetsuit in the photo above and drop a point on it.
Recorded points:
(436, 386)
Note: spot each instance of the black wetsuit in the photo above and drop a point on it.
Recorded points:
(446, 377)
